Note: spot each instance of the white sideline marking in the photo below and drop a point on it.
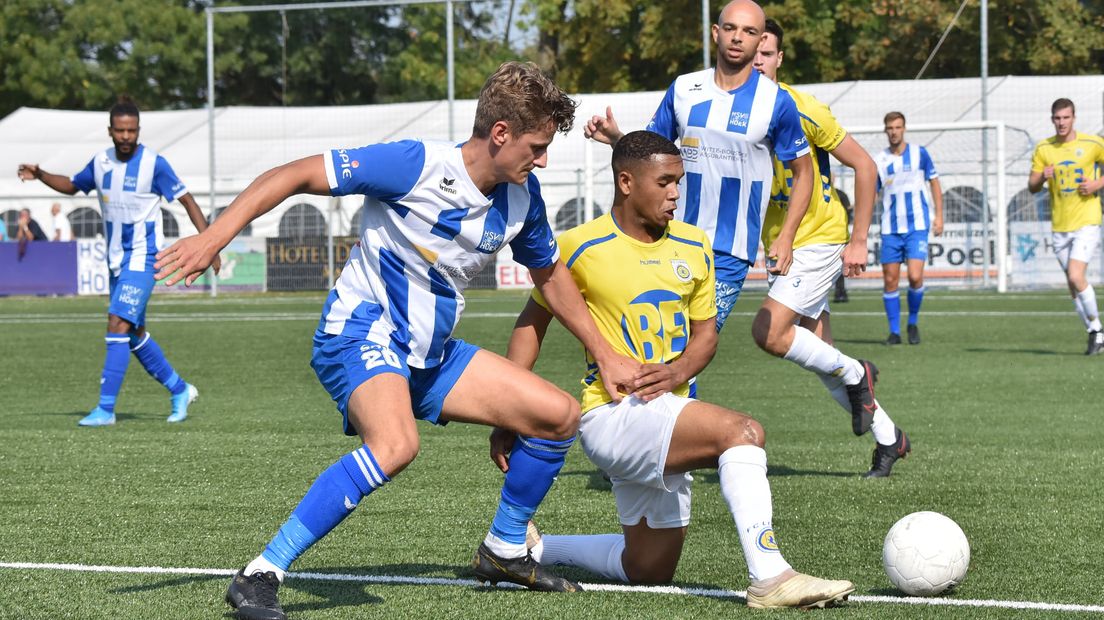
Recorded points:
(249, 317)
(592, 587)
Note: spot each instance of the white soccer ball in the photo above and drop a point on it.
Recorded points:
(925, 553)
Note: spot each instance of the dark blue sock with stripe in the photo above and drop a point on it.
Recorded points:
(153, 360)
(332, 497)
(534, 464)
(915, 298)
(115, 365)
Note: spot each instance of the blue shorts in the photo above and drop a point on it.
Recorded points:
(343, 364)
(731, 273)
(906, 246)
(130, 292)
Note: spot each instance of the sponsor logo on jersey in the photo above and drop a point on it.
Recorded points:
(696, 87)
(446, 185)
(649, 261)
(690, 148)
(458, 271)
(682, 270)
(347, 164)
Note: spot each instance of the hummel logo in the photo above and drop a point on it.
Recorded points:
(446, 185)
(348, 504)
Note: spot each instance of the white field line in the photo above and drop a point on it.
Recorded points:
(249, 317)
(591, 587)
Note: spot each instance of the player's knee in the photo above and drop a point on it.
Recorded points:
(651, 571)
(397, 453)
(742, 430)
(560, 420)
(760, 330)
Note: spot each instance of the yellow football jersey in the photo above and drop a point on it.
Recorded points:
(642, 295)
(1073, 162)
(826, 219)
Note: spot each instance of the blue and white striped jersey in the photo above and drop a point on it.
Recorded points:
(726, 140)
(130, 195)
(904, 182)
(427, 230)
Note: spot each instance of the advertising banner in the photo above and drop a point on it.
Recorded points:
(42, 268)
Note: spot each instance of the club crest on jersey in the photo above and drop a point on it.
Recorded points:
(491, 241)
(446, 185)
(682, 270)
(739, 119)
(765, 540)
(691, 148)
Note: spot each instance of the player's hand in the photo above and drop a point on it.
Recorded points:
(502, 444)
(780, 257)
(1086, 187)
(217, 264)
(937, 226)
(27, 172)
(854, 259)
(618, 374)
(603, 128)
(188, 258)
(655, 380)
(1048, 172)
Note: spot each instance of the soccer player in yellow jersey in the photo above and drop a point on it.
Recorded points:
(1069, 163)
(648, 281)
(793, 321)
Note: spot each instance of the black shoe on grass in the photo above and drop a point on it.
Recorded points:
(253, 597)
(893, 339)
(886, 456)
(914, 334)
(861, 396)
(1096, 343)
(524, 571)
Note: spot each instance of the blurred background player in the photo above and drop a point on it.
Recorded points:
(794, 320)
(905, 172)
(435, 214)
(60, 229)
(727, 186)
(1069, 164)
(650, 441)
(130, 179)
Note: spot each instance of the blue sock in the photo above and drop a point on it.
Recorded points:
(892, 303)
(114, 369)
(534, 464)
(915, 297)
(153, 360)
(332, 497)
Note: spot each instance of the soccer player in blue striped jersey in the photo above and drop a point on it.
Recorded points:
(131, 180)
(909, 211)
(658, 306)
(435, 214)
(728, 119)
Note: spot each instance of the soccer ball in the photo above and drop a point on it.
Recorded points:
(925, 553)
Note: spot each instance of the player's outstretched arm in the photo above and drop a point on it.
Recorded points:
(56, 182)
(195, 214)
(654, 380)
(567, 304)
(780, 253)
(854, 156)
(190, 256)
(524, 348)
(603, 129)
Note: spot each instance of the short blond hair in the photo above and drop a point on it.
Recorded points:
(525, 98)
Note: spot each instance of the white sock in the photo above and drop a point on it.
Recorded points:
(1085, 302)
(743, 473)
(504, 549)
(838, 390)
(598, 553)
(883, 428)
(812, 353)
(261, 565)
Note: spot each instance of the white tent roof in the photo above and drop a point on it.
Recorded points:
(250, 140)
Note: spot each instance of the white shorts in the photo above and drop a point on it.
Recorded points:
(629, 441)
(812, 274)
(1078, 244)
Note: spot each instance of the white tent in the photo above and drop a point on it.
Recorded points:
(250, 140)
